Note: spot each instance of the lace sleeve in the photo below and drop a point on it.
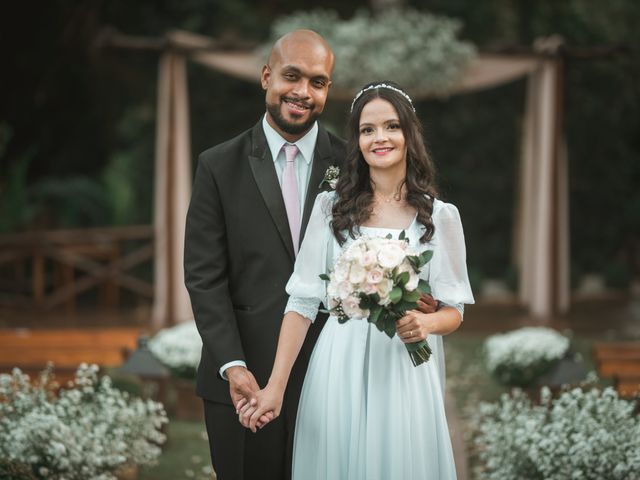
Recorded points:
(307, 307)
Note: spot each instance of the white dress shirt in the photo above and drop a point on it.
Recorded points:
(306, 146)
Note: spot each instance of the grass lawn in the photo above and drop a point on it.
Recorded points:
(185, 454)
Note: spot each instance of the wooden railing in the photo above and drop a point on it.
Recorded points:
(49, 269)
(621, 362)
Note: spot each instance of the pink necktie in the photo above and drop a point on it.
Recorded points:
(290, 193)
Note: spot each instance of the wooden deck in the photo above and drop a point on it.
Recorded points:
(66, 348)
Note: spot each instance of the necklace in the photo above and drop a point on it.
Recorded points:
(395, 196)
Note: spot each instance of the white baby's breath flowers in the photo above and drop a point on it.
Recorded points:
(519, 357)
(400, 45)
(87, 430)
(583, 434)
(179, 348)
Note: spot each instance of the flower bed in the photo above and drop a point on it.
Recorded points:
(585, 434)
(88, 429)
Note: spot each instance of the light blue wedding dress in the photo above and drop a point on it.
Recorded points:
(366, 413)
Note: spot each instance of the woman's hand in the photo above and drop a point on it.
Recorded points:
(265, 408)
(413, 327)
(245, 405)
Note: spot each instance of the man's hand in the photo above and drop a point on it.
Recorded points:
(243, 388)
(267, 408)
(427, 304)
(242, 385)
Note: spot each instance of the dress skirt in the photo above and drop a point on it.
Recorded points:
(366, 413)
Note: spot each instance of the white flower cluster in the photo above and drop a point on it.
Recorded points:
(179, 348)
(85, 431)
(582, 434)
(367, 266)
(418, 50)
(519, 357)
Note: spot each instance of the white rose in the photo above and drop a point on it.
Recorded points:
(368, 258)
(412, 284)
(369, 288)
(344, 290)
(351, 307)
(357, 273)
(384, 287)
(341, 271)
(391, 256)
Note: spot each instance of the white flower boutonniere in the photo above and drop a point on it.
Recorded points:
(331, 177)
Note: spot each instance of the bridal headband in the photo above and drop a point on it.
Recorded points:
(382, 85)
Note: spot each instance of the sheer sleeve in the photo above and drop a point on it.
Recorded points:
(305, 287)
(449, 281)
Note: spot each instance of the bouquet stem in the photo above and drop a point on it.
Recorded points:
(420, 352)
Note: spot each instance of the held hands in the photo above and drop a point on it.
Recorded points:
(263, 407)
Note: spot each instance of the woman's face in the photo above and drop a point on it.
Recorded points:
(381, 139)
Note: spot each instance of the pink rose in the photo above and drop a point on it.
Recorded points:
(375, 275)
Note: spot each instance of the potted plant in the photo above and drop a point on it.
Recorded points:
(179, 348)
(520, 357)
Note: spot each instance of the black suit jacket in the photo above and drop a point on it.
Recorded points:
(239, 255)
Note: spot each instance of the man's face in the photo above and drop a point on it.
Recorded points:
(297, 83)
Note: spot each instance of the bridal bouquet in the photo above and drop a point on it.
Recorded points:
(379, 279)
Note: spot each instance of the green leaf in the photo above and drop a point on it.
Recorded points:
(395, 295)
(426, 256)
(402, 235)
(324, 276)
(390, 327)
(402, 279)
(365, 301)
(411, 296)
(423, 287)
(388, 236)
(374, 316)
(402, 306)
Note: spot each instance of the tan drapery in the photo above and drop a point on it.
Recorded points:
(172, 191)
(541, 233)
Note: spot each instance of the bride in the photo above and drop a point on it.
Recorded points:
(366, 412)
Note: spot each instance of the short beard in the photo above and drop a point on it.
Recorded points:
(288, 127)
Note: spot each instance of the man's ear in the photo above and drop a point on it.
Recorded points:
(265, 76)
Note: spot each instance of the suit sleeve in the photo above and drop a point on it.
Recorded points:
(206, 270)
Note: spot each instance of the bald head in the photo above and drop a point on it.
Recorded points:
(297, 80)
(302, 39)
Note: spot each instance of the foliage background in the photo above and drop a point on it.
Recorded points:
(77, 122)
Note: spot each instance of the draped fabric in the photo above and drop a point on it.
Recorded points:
(172, 192)
(541, 233)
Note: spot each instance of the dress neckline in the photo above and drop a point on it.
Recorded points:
(415, 218)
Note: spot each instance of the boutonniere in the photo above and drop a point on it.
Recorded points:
(331, 177)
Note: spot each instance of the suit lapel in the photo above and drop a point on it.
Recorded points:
(322, 159)
(264, 173)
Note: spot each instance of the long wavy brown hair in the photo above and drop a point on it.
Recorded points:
(354, 204)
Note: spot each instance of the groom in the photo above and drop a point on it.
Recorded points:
(252, 198)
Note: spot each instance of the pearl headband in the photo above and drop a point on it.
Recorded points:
(382, 85)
